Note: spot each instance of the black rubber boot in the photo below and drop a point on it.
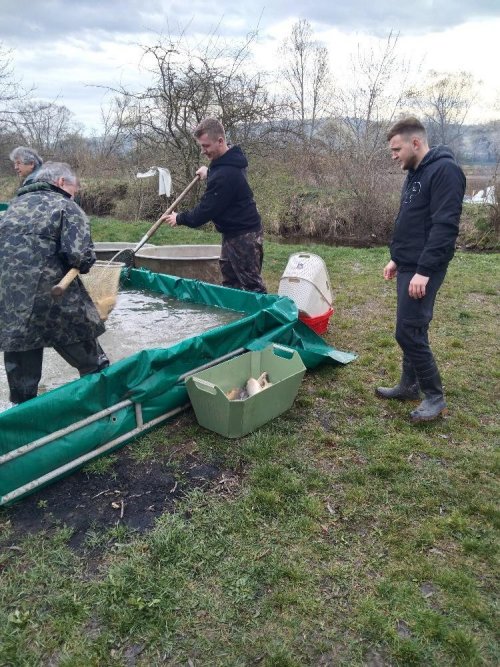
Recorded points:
(433, 404)
(406, 390)
(86, 356)
(24, 370)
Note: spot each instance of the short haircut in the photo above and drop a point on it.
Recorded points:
(51, 172)
(407, 127)
(26, 156)
(212, 127)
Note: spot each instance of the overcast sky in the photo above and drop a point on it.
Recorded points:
(68, 49)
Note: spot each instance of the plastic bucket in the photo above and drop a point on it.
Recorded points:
(318, 324)
(235, 418)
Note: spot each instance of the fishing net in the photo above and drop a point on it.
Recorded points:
(101, 282)
(126, 256)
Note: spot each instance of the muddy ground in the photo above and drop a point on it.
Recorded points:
(129, 493)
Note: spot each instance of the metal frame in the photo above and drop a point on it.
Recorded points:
(140, 427)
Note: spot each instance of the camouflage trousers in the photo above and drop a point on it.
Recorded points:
(241, 262)
(24, 369)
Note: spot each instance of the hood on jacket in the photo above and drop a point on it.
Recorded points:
(434, 153)
(234, 157)
(41, 186)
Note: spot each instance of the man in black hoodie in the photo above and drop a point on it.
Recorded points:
(228, 201)
(423, 243)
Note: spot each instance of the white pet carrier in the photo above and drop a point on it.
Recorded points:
(305, 280)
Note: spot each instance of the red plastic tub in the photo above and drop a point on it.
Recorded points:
(319, 324)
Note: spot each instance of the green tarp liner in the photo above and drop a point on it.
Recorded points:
(150, 377)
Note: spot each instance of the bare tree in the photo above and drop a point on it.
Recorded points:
(190, 83)
(368, 104)
(444, 101)
(356, 138)
(11, 91)
(43, 125)
(113, 143)
(8, 85)
(307, 75)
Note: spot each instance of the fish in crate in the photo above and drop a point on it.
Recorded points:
(253, 386)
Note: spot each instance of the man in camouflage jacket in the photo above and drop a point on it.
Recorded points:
(43, 234)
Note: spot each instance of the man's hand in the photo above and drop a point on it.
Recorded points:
(417, 286)
(169, 218)
(390, 270)
(202, 173)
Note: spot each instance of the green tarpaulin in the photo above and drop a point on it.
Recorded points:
(51, 435)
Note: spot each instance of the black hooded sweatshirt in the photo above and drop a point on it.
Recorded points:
(228, 199)
(426, 227)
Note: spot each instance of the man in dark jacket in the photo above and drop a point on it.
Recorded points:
(228, 201)
(43, 234)
(422, 245)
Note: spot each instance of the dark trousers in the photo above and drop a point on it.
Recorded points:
(241, 262)
(24, 368)
(412, 323)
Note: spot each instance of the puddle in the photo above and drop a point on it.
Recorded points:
(140, 320)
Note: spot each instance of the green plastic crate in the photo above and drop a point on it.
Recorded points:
(233, 419)
(4, 205)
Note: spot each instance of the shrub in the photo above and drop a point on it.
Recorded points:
(8, 187)
(101, 198)
(480, 227)
(142, 201)
(341, 217)
(272, 185)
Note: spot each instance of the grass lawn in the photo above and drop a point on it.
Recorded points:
(348, 536)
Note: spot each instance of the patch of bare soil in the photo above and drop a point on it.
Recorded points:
(130, 494)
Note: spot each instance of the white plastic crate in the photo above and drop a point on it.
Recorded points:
(306, 281)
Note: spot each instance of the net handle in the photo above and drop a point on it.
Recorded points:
(64, 283)
(127, 254)
(169, 210)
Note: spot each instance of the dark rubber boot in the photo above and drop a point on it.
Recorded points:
(433, 404)
(406, 390)
(86, 356)
(24, 370)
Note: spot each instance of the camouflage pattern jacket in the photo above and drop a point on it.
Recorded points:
(43, 234)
